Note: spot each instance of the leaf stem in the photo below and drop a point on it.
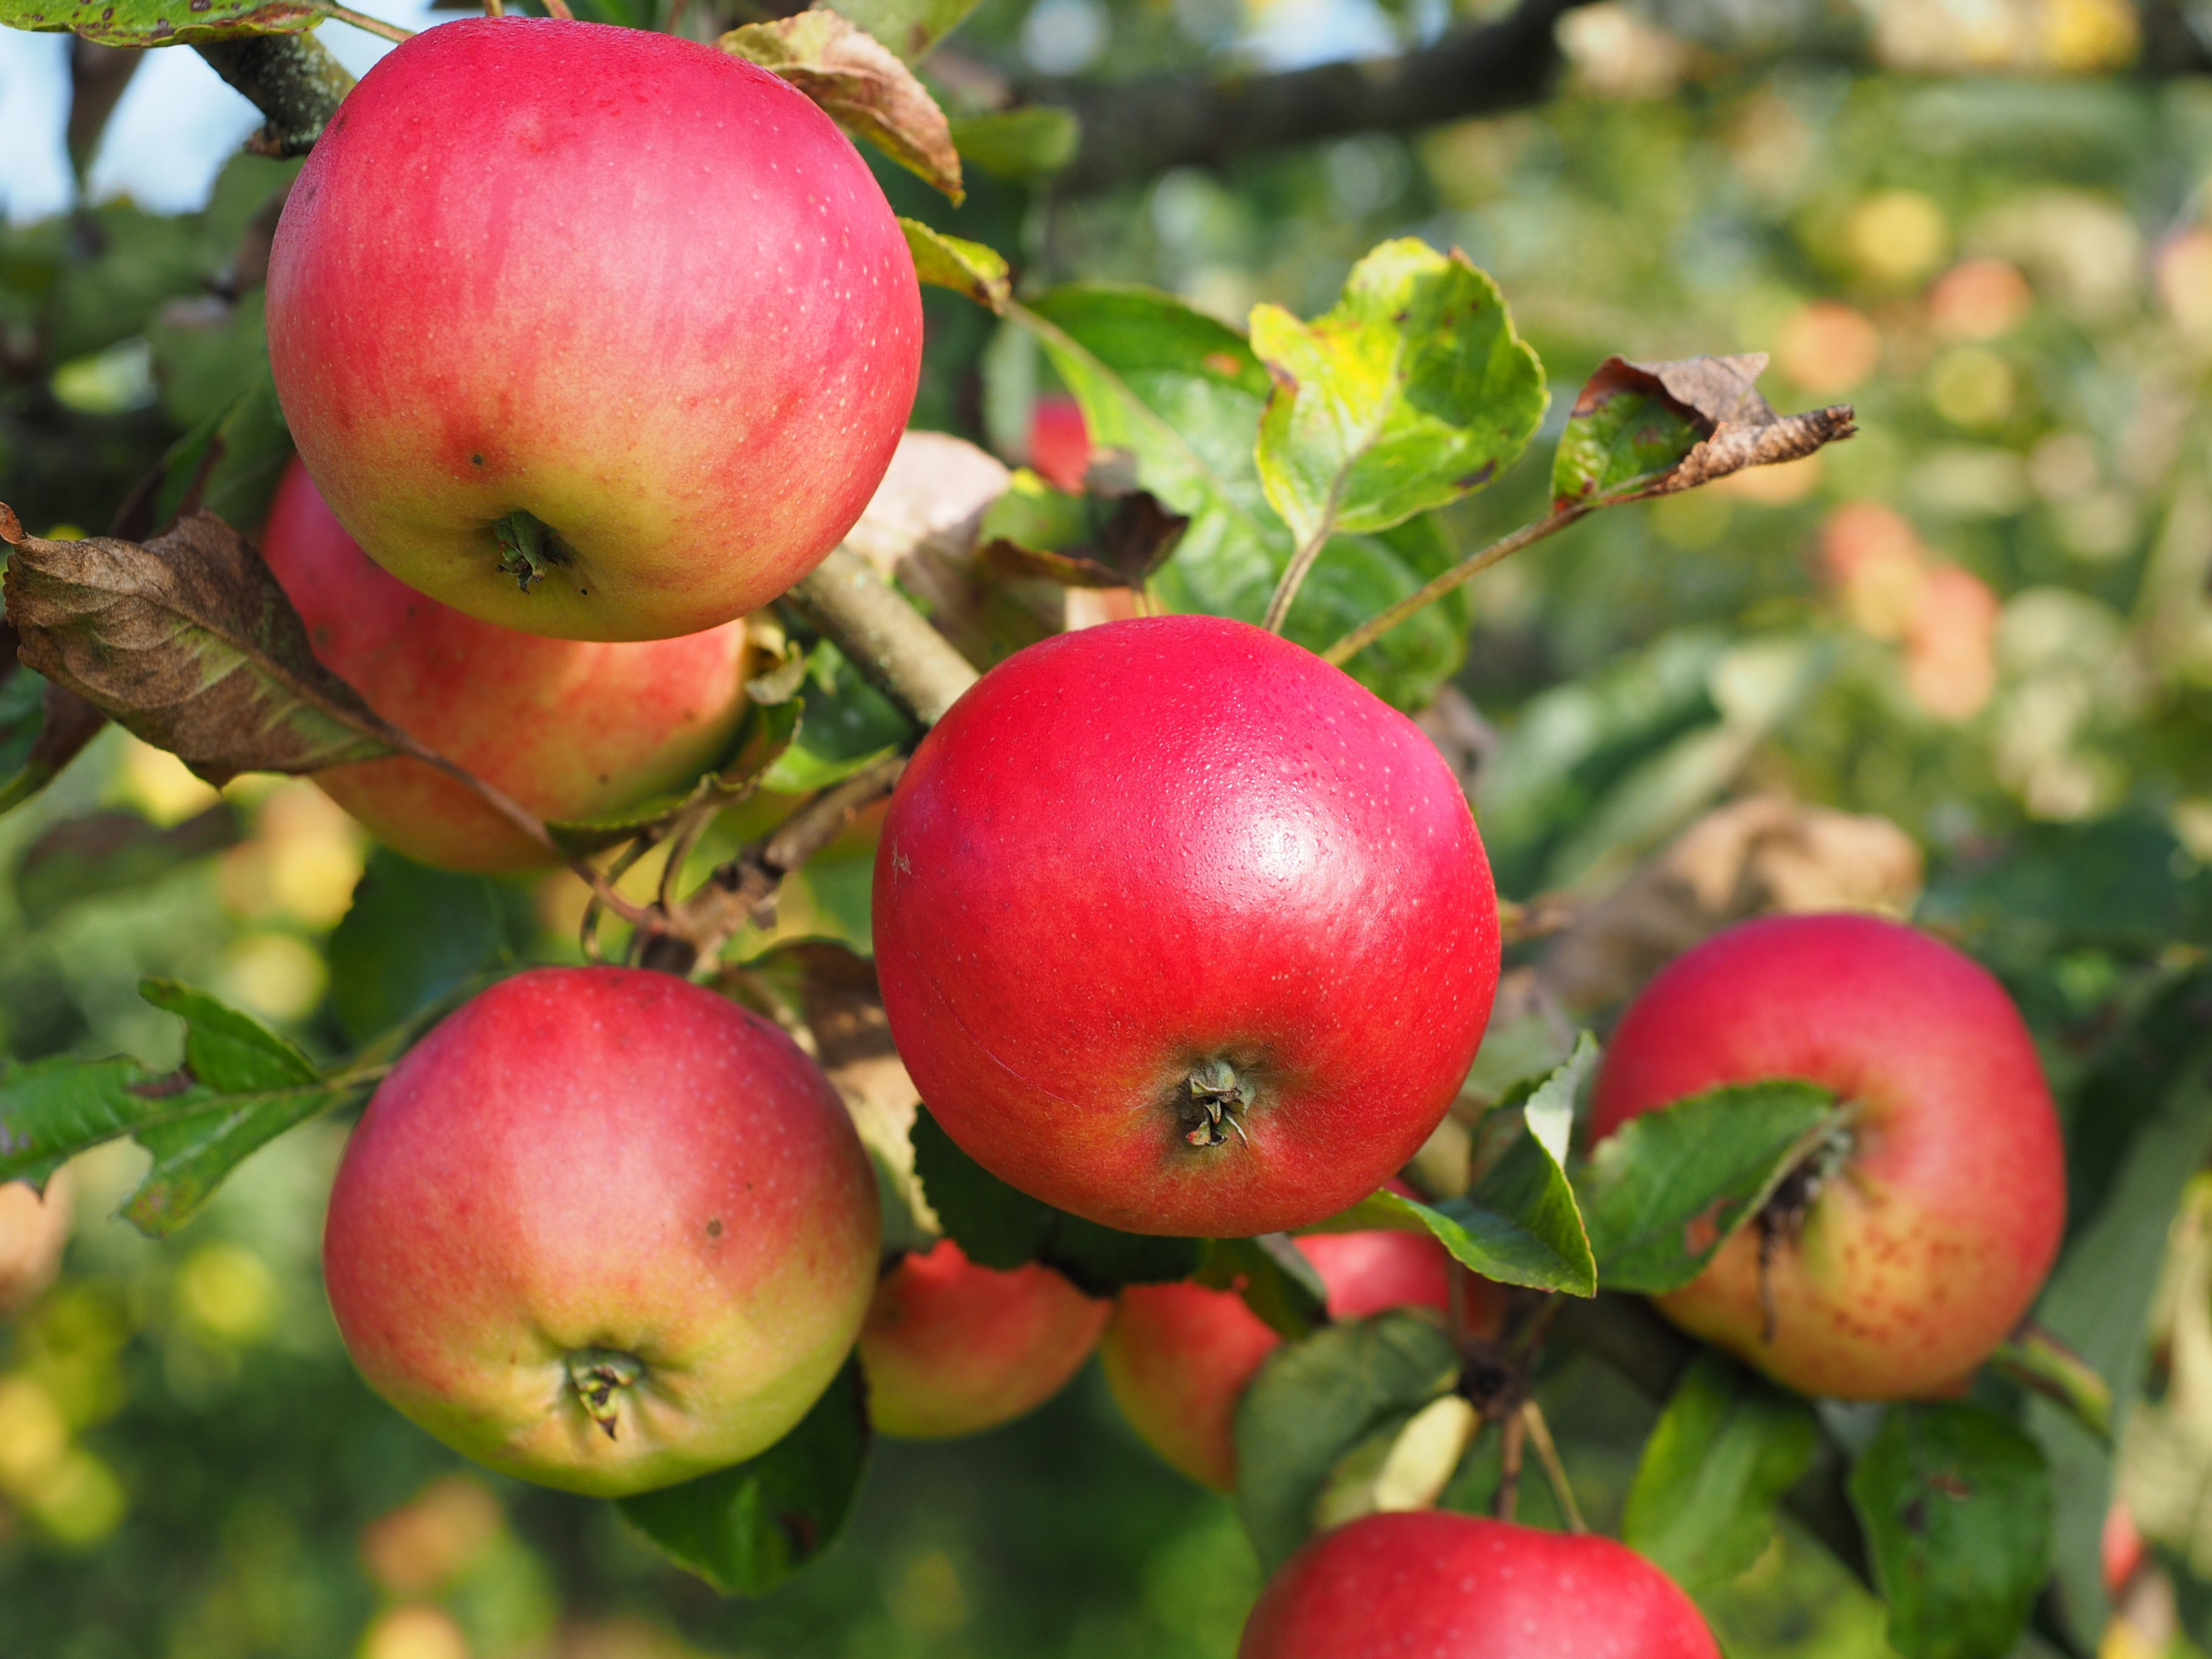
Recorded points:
(364, 23)
(1547, 1454)
(1430, 591)
(1506, 1500)
(1294, 574)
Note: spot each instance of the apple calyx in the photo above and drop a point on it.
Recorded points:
(528, 546)
(1781, 1220)
(597, 1375)
(1218, 1096)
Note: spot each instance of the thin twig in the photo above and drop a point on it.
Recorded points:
(1430, 591)
(1294, 574)
(364, 23)
(1507, 1497)
(494, 8)
(1547, 1454)
(560, 8)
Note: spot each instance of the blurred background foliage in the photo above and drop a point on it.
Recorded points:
(1959, 668)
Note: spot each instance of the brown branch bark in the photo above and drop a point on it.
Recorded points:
(1138, 129)
(884, 637)
(292, 79)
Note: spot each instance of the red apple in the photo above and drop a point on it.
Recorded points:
(1897, 1258)
(602, 1229)
(571, 729)
(1182, 930)
(952, 1348)
(625, 284)
(1059, 442)
(1446, 1586)
(1178, 1356)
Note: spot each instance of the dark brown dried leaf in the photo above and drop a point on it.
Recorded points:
(1134, 540)
(187, 642)
(1786, 438)
(861, 84)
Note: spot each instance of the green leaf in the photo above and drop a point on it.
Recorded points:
(230, 464)
(844, 726)
(1182, 394)
(52, 1110)
(1727, 1447)
(1626, 426)
(161, 22)
(1956, 1504)
(108, 853)
(1274, 1277)
(747, 1529)
(414, 934)
(1667, 1190)
(226, 1049)
(1317, 1400)
(1024, 145)
(1411, 392)
(965, 267)
(996, 1226)
(1519, 1223)
(908, 27)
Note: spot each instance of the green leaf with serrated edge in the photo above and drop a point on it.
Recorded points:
(52, 1110)
(1726, 1448)
(747, 1529)
(1667, 1190)
(1518, 1223)
(908, 27)
(1411, 392)
(1623, 427)
(413, 934)
(1024, 145)
(226, 1049)
(846, 726)
(193, 1155)
(161, 22)
(1182, 393)
(965, 267)
(1315, 1400)
(1956, 1506)
(997, 1226)
(768, 731)
(1274, 1277)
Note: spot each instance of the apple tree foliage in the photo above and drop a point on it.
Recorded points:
(1325, 473)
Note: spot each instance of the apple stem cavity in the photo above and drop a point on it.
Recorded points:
(596, 1374)
(1781, 1220)
(528, 546)
(1217, 1098)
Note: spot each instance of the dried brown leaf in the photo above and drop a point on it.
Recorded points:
(861, 84)
(1786, 438)
(187, 642)
(1132, 541)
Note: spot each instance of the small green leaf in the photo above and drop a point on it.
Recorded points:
(161, 22)
(1024, 145)
(108, 853)
(1727, 1447)
(747, 1529)
(965, 267)
(1956, 1504)
(844, 726)
(228, 1050)
(1667, 1190)
(1274, 1277)
(1411, 392)
(43, 727)
(1519, 1223)
(194, 1153)
(414, 934)
(997, 1226)
(908, 27)
(1314, 1402)
(1625, 426)
(52, 1110)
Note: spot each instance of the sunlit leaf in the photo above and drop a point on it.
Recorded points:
(965, 267)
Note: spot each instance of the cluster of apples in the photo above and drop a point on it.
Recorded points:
(595, 340)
